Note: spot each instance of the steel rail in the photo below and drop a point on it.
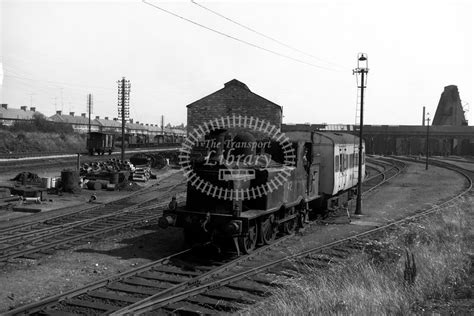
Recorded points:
(398, 169)
(80, 234)
(93, 208)
(37, 306)
(78, 212)
(151, 305)
(185, 285)
(196, 281)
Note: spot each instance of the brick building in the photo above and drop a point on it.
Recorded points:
(235, 98)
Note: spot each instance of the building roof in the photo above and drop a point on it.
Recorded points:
(109, 123)
(12, 113)
(135, 126)
(235, 93)
(72, 119)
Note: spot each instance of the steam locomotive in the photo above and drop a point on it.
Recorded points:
(242, 190)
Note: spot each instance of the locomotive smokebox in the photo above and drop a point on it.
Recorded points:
(243, 143)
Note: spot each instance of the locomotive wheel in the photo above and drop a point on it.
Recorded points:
(267, 230)
(247, 243)
(289, 227)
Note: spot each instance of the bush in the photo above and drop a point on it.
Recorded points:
(39, 123)
(20, 142)
(373, 283)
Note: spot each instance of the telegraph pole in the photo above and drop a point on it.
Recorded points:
(427, 141)
(89, 109)
(123, 108)
(362, 71)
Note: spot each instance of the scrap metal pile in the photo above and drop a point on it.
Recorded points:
(100, 167)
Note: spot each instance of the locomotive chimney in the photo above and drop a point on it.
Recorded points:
(423, 122)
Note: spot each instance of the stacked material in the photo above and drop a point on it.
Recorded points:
(27, 178)
(142, 174)
(100, 167)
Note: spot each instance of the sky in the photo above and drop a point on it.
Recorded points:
(298, 54)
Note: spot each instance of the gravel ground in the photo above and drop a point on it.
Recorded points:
(25, 281)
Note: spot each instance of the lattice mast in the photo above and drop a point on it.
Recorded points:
(123, 108)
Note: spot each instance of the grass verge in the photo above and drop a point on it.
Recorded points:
(380, 280)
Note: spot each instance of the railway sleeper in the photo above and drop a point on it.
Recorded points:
(93, 305)
(215, 304)
(185, 308)
(280, 271)
(51, 311)
(117, 286)
(267, 280)
(164, 277)
(311, 263)
(289, 265)
(140, 281)
(335, 253)
(175, 270)
(249, 286)
(229, 294)
(324, 258)
(101, 294)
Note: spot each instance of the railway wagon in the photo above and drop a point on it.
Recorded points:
(323, 176)
(100, 143)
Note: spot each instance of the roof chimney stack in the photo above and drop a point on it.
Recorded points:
(5, 106)
(23, 108)
(71, 113)
(83, 114)
(107, 118)
(32, 109)
(97, 117)
(58, 112)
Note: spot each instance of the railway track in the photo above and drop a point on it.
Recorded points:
(61, 154)
(246, 283)
(167, 277)
(32, 240)
(391, 169)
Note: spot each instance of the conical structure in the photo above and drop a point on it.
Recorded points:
(450, 111)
